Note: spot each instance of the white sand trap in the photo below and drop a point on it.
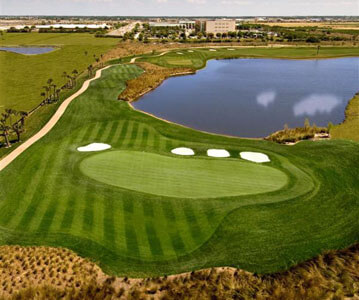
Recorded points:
(183, 151)
(212, 50)
(180, 53)
(231, 49)
(190, 51)
(94, 147)
(255, 157)
(218, 153)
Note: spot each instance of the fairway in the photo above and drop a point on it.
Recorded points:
(181, 177)
(122, 208)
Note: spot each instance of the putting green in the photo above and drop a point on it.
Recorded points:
(182, 177)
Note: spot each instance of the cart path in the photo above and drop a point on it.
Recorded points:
(50, 124)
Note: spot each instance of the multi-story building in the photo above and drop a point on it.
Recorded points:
(187, 24)
(220, 26)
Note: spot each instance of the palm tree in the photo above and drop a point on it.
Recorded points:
(74, 73)
(23, 115)
(90, 69)
(43, 94)
(57, 94)
(18, 129)
(5, 128)
(46, 93)
(9, 113)
(64, 75)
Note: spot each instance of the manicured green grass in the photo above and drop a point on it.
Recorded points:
(45, 199)
(349, 129)
(182, 177)
(23, 76)
(199, 57)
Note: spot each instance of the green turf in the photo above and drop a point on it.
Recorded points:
(198, 58)
(45, 199)
(23, 76)
(181, 177)
(349, 129)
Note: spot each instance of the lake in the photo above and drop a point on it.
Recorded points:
(255, 97)
(28, 50)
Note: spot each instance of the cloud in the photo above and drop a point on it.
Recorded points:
(197, 1)
(93, 1)
(236, 2)
(266, 98)
(316, 104)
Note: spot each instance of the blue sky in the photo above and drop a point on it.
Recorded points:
(180, 7)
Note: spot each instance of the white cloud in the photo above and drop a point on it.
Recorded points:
(236, 2)
(266, 98)
(197, 1)
(316, 104)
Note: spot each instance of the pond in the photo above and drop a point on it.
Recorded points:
(255, 97)
(28, 50)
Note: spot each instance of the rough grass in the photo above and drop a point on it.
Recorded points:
(151, 78)
(53, 273)
(23, 76)
(182, 177)
(46, 200)
(349, 129)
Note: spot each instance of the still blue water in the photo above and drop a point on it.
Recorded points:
(255, 97)
(28, 50)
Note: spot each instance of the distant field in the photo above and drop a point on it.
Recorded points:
(48, 198)
(349, 25)
(22, 76)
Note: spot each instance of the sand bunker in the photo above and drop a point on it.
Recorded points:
(231, 49)
(255, 157)
(190, 51)
(183, 151)
(212, 50)
(180, 53)
(94, 147)
(218, 153)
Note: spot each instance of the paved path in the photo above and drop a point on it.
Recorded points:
(49, 125)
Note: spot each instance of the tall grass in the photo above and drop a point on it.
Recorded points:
(60, 274)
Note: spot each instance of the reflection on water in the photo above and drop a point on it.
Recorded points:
(266, 98)
(316, 104)
(255, 97)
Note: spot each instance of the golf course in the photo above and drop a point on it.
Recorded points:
(139, 210)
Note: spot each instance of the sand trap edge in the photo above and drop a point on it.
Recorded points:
(94, 147)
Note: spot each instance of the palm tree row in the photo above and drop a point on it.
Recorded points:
(8, 128)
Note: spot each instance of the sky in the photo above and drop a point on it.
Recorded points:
(180, 7)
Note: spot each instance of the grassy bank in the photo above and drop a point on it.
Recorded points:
(47, 199)
(349, 129)
(23, 76)
(196, 58)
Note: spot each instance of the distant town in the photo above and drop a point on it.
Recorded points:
(250, 30)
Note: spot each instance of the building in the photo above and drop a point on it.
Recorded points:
(186, 24)
(220, 26)
(163, 24)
